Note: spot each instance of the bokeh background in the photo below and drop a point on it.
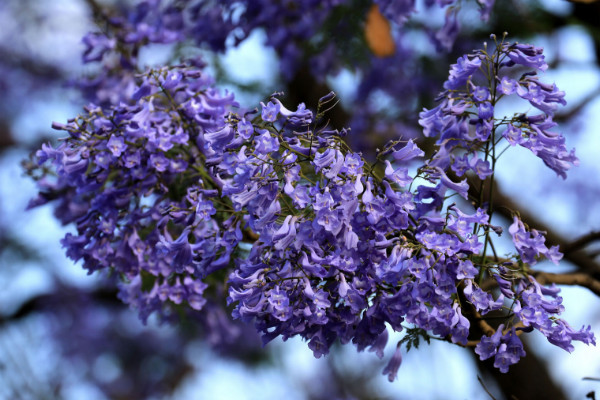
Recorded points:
(65, 335)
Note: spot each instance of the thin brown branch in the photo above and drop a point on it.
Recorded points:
(581, 242)
(485, 327)
(485, 388)
(249, 235)
(576, 279)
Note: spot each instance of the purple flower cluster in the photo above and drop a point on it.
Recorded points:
(536, 307)
(535, 310)
(133, 179)
(506, 348)
(177, 191)
(477, 82)
(117, 47)
(343, 251)
(318, 37)
(468, 134)
(530, 245)
(295, 30)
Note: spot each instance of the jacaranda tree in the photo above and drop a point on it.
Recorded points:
(306, 215)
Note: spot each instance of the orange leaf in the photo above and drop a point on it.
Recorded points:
(378, 33)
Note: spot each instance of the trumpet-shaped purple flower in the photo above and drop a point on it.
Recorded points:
(527, 56)
(507, 86)
(391, 369)
(461, 71)
(270, 111)
(266, 143)
(116, 145)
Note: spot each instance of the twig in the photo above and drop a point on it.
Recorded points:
(581, 242)
(485, 388)
(576, 278)
(485, 327)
